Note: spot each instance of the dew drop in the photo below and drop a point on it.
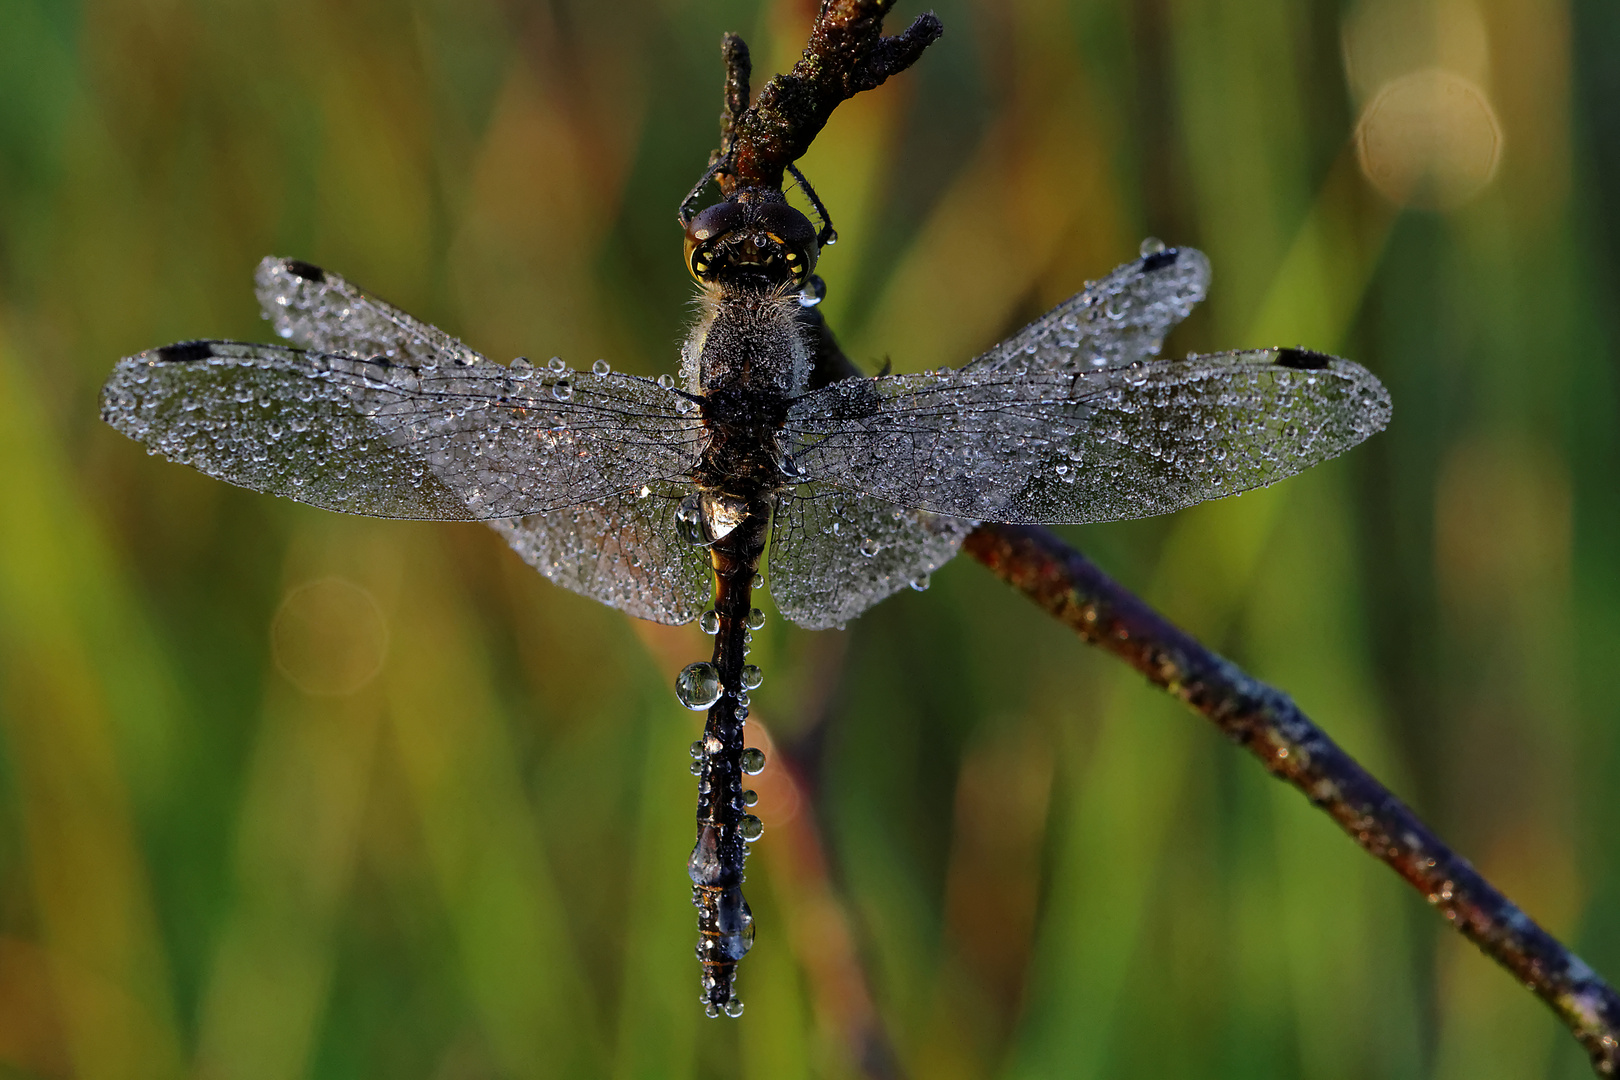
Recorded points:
(696, 768)
(698, 685)
(750, 797)
(751, 828)
(562, 390)
(709, 622)
(556, 364)
(753, 761)
(734, 1008)
(759, 581)
(666, 381)
(696, 749)
(601, 367)
(689, 521)
(756, 617)
(920, 582)
(870, 547)
(1151, 246)
(752, 676)
(522, 363)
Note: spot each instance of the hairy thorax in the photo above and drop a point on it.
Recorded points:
(748, 357)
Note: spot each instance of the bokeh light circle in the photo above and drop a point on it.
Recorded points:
(329, 637)
(1429, 139)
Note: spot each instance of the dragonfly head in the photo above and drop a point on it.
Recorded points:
(754, 239)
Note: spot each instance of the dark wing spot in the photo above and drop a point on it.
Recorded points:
(305, 270)
(185, 352)
(1159, 260)
(1302, 359)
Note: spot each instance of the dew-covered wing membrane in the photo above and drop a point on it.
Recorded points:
(1082, 445)
(835, 553)
(1111, 323)
(621, 550)
(369, 436)
(385, 415)
(319, 310)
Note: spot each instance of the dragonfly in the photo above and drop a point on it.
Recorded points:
(659, 496)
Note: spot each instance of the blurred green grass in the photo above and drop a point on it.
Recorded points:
(472, 864)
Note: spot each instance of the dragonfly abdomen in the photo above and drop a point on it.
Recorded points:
(724, 826)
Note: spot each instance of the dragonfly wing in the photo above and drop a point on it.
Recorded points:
(435, 441)
(622, 550)
(1081, 446)
(835, 553)
(319, 310)
(1112, 323)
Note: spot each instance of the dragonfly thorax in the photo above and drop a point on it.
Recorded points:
(748, 342)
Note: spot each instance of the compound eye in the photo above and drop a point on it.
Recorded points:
(797, 265)
(700, 260)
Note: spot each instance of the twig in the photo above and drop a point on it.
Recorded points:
(847, 54)
(1267, 723)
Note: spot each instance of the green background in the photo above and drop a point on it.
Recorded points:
(1004, 851)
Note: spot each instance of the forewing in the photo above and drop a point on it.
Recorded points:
(370, 437)
(835, 553)
(319, 310)
(1084, 446)
(1111, 324)
(622, 550)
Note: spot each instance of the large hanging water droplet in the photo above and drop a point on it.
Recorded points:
(756, 619)
(735, 923)
(709, 622)
(689, 521)
(750, 797)
(759, 581)
(753, 761)
(751, 828)
(698, 685)
(752, 676)
(734, 1008)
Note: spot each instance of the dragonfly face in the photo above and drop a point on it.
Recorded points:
(753, 241)
(659, 501)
